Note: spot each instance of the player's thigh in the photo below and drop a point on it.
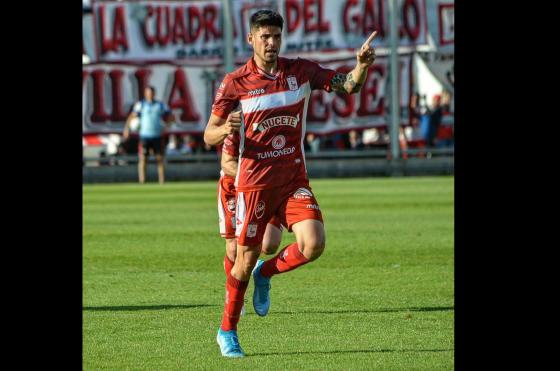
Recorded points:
(158, 146)
(143, 149)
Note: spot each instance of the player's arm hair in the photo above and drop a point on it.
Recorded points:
(229, 164)
(214, 133)
(351, 82)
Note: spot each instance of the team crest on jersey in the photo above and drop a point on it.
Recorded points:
(278, 141)
(292, 82)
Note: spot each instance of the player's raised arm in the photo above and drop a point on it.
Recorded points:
(218, 128)
(353, 81)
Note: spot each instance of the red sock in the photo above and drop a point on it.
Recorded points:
(228, 264)
(235, 292)
(289, 258)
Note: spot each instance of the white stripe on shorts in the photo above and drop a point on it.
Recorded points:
(221, 212)
(239, 213)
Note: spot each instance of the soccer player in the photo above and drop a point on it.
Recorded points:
(151, 112)
(226, 206)
(271, 178)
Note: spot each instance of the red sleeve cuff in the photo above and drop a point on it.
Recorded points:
(220, 114)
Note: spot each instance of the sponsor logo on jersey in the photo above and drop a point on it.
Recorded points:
(251, 230)
(276, 121)
(259, 210)
(278, 142)
(231, 204)
(302, 194)
(277, 153)
(292, 82)
(255, 92)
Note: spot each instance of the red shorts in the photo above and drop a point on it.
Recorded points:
(226, 207)
(289, 204)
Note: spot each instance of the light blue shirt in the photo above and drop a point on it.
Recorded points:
(150, 116)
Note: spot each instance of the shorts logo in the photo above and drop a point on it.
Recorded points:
(231, 204)
(259, 210)
(302, 194)
(316, 207)
(251, 230)
(278, 141)
(292, 82)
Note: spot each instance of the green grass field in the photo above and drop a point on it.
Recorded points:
(380, 297)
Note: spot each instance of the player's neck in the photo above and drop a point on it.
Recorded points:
(271, 68)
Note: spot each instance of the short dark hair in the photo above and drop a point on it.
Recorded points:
(266, 17)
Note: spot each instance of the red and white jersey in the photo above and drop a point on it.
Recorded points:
(273, 122)
(231, 144)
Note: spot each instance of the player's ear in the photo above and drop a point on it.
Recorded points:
(250, 39)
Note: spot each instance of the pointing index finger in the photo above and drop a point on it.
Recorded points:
(370, 39)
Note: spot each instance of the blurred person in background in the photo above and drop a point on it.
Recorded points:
(435, 113)
(355, 139)
(179, 145)
(416, 136)
(314, 142)
(151, 113)
(445, 134)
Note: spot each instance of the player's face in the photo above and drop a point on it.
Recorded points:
(266, 42)
(148, 94)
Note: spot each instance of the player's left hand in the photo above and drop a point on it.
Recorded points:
(366, 54)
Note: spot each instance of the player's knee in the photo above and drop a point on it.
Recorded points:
(269, 249)
(313, 247)
(248, 261)
(247, 267)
